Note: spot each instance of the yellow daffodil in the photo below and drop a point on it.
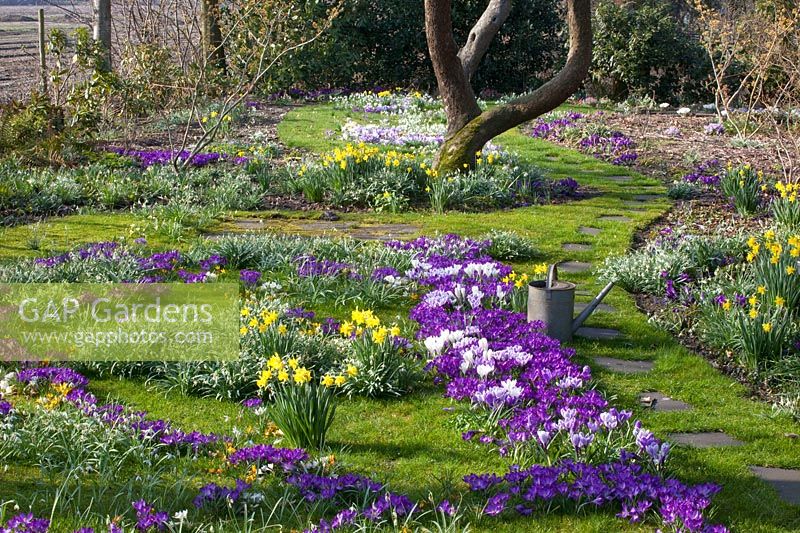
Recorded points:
(352, 370)
(302, 375)
(767, 327)
(275, 362)
(340, 380)
(346, 328)
(379, 335)
(264, 378)
(540, 269)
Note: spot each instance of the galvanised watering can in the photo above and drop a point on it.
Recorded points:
(553, 302)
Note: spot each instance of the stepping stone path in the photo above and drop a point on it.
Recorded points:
(647, 197)
(614, 218)
(324, 225)
(709, 439)
(619, 178)
(601, 308)
(624, 366)
(249, 224)
(597, 333)
(573, 267)
(382, 232)
(786, 482)
(575, 247)
(660, 402)
(635, 206)
(352, 229)
(589, 231)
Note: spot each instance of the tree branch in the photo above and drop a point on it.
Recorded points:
(459, 100)
(481, 35)
(461, 145)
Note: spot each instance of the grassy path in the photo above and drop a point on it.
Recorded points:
(409, 442)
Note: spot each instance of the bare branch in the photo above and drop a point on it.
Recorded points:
(481, 35)
(457, 95)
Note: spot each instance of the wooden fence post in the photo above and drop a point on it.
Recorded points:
(42, 54)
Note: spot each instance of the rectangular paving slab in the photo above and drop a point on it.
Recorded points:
(587, 230)
(783, 480)
(576, 247)
(574, 267)
(624, 366)
(597, 333)
(615, 218)
(661, 402)
(710, 439)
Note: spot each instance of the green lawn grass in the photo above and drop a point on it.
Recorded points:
(409, 442)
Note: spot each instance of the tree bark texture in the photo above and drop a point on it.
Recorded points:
(101, 31)
(459, 101)
(481, 35)
(212, 34)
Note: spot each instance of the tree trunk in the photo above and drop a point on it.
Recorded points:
(465, 138)
(101, 31)
(212, 34)
(460, 105)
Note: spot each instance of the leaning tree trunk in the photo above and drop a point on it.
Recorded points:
(213, 48)
(101, 31)
(469, 129)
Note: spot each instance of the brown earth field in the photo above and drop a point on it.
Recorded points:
(19, 54)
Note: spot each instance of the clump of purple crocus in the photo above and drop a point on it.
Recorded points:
(149, 158)
(311, 266)
(147, 518)
(493, 358)
(252, 403)
(708, 173)
(249, 277)
(54, 375)
(212, 495)
(552, 129)
(25, 523)
(616, 147)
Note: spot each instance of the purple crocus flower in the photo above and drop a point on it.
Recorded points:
(249, 277)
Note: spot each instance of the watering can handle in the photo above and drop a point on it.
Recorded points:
(552, 275)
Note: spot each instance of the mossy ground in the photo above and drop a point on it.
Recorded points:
(410, 443)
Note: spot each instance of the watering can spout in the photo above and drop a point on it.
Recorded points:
(553, 302)
(578, 322)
